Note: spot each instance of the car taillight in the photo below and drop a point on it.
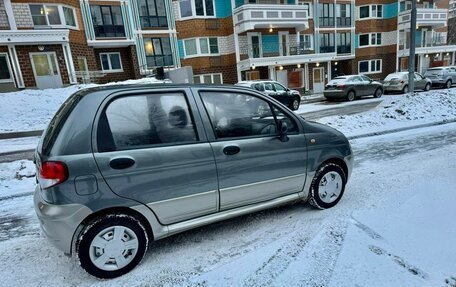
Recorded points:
(341, 86)
(52, 173)
(402, 81)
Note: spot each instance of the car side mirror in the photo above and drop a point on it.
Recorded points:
(283, 131)
(287, 89)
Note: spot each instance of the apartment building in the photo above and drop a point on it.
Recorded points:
(301, 43)
(452, 23)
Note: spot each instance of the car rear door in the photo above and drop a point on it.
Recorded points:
(253, 164)
(420, 82)
(150, 146)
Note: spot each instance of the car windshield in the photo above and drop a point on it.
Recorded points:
(395, 76)
(434, 72)
(338, 80)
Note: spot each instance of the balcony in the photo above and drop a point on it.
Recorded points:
(256, 16)
(272, 54)
(425, 17)
(34, 37)
(426, 46)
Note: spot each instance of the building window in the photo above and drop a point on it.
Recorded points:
(370, 66)
(306, 7)
(152, 13)
(343, 15)
(196, 8)
(107, 21)
(53, 15)
(5, 74)
(326, 14)
(305, 42)
(371, 11)
(111, 62)
(201, 46)
(208, 79)
(344, 43)
(327, 43)
(158, 52)
(372, 39)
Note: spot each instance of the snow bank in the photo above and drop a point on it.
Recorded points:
(33, 109)
(398, 111)
(16, 177)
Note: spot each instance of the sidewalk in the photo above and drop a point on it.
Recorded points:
(312, 98)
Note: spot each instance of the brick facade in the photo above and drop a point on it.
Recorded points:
(130, 69)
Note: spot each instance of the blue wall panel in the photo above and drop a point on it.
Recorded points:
(180, 45)
(223, 8)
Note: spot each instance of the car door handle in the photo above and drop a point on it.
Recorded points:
(232, 149)
(121, 163)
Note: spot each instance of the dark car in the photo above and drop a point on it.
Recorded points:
(351, 87)
(120, 166)
(290, 98)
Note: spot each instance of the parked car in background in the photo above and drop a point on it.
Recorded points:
(442, 76)
(351, 87)
(399, 82)
(290, 98)
(120, 166)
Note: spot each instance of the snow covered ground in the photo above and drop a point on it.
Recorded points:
(394, 227)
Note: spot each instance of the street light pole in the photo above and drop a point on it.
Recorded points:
(411, 67)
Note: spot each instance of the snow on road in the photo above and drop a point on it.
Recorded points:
(394, 227)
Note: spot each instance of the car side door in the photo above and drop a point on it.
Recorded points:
(358, 85)
(369, 87)
(282, 93)
(253, 163)
(420, 81)
(453, 73)
(150, 146)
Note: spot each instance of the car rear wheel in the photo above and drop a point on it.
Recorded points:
(378, 93)
(448, 84)
(351, 96)
(405, 90)
(295, 104)
(328, 186)
(427, 87)
(112, 245)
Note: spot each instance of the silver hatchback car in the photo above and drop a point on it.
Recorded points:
(120, 166)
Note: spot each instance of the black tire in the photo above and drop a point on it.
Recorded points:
(378, 93)
(427, 87)
(294, 105)
(405, 89)
(448, 84)
(351, 96)
(91, 230)
(315, 197)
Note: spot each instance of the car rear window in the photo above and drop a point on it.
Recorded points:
(395, 76)
(134, 122)
(58, 120)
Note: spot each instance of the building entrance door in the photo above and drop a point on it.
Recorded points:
(46, 71)
(318, 80)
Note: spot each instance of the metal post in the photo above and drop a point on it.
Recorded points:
(412, 48)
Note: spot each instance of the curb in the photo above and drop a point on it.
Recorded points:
(402, 129)
(16, 195)
(13, 135)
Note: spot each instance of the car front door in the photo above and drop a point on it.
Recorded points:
(253, 163)
(282, 93)
(368, 87)
(151, 147)
(420, 82)
(358, 85)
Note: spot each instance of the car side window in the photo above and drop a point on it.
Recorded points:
(279, 88)
(281, 116)
(418, 77)
(365, 79)
(268, 87)
(259, 87)
(237, 115)
(355, 79)
(145, 120)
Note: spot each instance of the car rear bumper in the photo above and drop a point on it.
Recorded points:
(59, 222)
(438, 82)
(392, 88)
(334, 94)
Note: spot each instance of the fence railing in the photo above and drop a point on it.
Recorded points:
(266, 50)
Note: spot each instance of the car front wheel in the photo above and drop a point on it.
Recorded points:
(448, 84)
(351, 96)
(328, 186)
(295, 104)
(378, 93)
(427, 87)
(112, 245)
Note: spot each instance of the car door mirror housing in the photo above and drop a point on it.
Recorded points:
(283, 131)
